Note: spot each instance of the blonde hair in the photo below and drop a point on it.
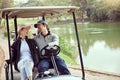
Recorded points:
(19, 31)
(21, 28)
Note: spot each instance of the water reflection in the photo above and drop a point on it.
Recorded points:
(102, 57)
(100, 32)
(100, 44)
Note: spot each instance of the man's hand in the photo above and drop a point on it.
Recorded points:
(51, 44)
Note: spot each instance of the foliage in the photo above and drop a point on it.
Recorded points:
(43, 3)
(67, 49)
(82, 4)
(6, 4)
(96, 10)
(5, 33)
(67, 59)
(101, 10)
(0, 3)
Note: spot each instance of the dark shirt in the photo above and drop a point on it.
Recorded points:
(16, 52)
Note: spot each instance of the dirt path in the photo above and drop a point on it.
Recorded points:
(2, 57)
(4, 43)
(3, 53)
(92, 74)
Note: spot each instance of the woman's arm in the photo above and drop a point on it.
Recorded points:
(14, 51)
(35, 53)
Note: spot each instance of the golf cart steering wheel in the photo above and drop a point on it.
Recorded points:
(49, 51)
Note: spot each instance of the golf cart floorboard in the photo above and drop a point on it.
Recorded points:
(61, 77)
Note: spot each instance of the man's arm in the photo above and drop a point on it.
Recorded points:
(55, 40)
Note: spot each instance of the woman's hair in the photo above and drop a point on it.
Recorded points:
(21, 28)
(47, 27)
(19, 32)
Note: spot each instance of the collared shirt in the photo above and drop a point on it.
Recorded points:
(25, 51)
(42, 41)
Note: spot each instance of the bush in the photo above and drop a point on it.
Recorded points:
(5, 33)
(67, 51)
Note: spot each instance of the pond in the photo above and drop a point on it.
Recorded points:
(100, 44)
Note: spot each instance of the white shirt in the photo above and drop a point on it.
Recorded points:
(25, 52)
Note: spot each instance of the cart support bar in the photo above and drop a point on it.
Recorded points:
(15, 25)
(80, 54)
(8, 34)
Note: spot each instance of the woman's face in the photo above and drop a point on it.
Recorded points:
(24, 32)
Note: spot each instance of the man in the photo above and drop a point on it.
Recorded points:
(45, 37)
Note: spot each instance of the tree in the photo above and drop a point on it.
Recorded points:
(101, 10)
(6, 3)
(44, 3)
(82, 4)
(0, 3)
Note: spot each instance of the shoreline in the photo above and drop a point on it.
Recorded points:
(77, 67)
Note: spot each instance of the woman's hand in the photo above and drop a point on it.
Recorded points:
(35, 69)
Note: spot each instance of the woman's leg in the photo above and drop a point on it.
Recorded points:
(22, 70)
(28, 68)
(23, 74)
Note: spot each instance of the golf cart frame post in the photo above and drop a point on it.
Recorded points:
(10, 55)
(43, 11)
(15, 26)
(79, 49)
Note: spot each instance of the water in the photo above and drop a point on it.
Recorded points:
(100, 44)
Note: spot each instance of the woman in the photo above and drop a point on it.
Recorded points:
(24, 53)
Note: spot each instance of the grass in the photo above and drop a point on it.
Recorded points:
(67, 52)
(67, 59)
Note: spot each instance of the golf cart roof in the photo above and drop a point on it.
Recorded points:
(30, 12)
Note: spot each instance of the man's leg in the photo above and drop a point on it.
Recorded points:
(62, 67)
(43, 65)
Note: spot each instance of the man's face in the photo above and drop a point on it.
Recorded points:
(41, 27)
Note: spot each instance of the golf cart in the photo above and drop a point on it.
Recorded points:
(43, 11)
